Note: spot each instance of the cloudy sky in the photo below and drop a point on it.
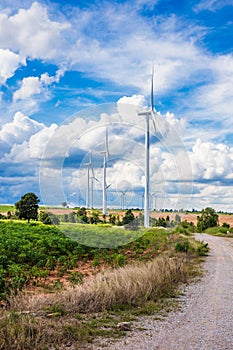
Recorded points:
(69, 70)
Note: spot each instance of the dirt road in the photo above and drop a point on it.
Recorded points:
(205, 321)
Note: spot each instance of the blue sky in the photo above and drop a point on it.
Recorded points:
(68, 68)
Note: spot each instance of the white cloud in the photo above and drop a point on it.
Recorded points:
(20, 129)
(24, 140)
(170, 175)
(211, 161)
(9, 63)
(31, 32)
(219, 197)
(30, 86)
(211, 5)
(35, 85)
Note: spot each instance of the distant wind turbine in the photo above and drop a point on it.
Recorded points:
(149, 113)
(93, 178)
(105, 187)
(123, 193)
(88, 165)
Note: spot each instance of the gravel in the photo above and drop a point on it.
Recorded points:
(205, 321)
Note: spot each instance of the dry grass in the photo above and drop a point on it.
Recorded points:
(53, 320)
(131, 285)
(27, 332)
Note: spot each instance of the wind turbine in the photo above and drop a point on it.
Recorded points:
(88, 183)
(93, 178)
(149, 113)
(105, 187)
(123, 193)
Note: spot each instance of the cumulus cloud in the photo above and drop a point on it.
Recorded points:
(30, 86)
(211, 161)
(31, 32)
(20, 129)
(34, 85)
(26, 140)
(218, 197)
(9, 63)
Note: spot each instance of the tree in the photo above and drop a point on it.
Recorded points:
(82, 215)
(129, 217)
(45, 218)
(72, 217)
(208, 218)
(48, 218)
(27, 207)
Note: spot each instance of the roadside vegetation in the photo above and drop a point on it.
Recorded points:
(208, 222)
(67, 284)
(49, 299)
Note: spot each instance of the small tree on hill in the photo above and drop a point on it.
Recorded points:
(27, 207)
(129, 217)
(82, 215)
(208, 218)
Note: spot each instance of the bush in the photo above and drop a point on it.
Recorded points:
(185, 227)
(208, 218)
(182, 246)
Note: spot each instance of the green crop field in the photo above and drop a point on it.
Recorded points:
(4, 208)
(31, 253)
(100, 236)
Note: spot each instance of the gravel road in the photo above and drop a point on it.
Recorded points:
(205, 321)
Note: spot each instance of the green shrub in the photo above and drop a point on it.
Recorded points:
(119, 259)
(182, 246)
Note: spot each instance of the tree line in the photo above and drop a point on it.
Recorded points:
(28, 208)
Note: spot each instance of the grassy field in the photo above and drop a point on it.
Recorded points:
(6, 208)
(101, 236)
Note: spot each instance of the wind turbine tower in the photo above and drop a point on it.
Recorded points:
(93, 178)
(106, 154)
(123, 193)
(149, 113)
(88, 165)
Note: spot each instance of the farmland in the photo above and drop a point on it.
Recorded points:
(39, 256)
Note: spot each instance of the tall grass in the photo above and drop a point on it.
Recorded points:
(51, 321)
(131, 285)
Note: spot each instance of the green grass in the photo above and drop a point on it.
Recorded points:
(219, 231)
(6, 208)
(100, 236)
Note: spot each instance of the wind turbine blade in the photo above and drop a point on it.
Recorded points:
(92, 169)
(153, 120)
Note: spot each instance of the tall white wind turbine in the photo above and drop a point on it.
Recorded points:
(149, 113)
(106, 154)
